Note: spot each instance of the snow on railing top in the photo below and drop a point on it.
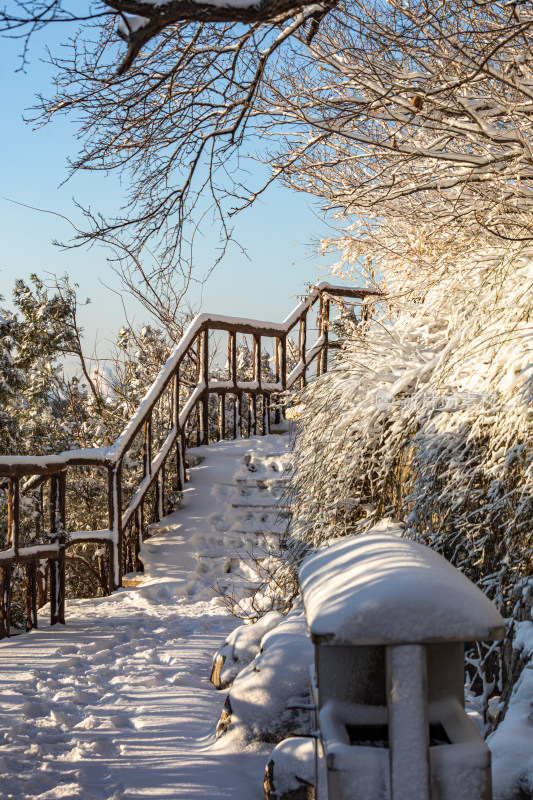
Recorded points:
(220, 321)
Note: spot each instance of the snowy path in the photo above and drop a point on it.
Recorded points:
(118, 704)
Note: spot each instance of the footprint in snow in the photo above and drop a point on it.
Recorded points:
(121, 721)
(34, 709)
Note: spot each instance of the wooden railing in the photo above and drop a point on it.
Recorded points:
(146, 465)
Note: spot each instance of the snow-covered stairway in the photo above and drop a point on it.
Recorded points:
(118, 703)
(233, 509)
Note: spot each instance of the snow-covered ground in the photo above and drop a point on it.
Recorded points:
(118, 703)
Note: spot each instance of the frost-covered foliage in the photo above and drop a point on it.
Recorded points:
(34, 339)
(426, 416)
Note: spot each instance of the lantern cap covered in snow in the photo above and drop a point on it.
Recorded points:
(378, 588)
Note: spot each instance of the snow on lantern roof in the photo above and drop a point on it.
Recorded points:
(378, 588)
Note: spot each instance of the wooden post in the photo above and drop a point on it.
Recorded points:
(183, 448)
(176, 398)
(162, 479)
(284, 362)
(234, 411)
(147, 446)
(258, 378)
(114, 484)
(198, 379)
(266, 415)
(205, 396)
(156, 515)
(199, 434)
(31, 595)
(233, 359)
(13, 513)
(5, 601)
(221, 416)
(57, 565)
(320, 326)
(303, 335)
(137, 563)
(39, 523)
(180, 477)
(277, 412)
(326, 337)
(257, 360)
(250, 416)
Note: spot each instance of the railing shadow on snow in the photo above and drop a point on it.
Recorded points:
(146, 467)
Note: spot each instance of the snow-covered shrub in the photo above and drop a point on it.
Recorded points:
(290, 771)
(241, 646)
(425, 416)
(262, 703)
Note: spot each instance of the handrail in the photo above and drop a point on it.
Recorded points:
(181, 422)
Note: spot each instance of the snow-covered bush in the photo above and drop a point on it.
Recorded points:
(425, 416)
(262, 705)
(241, 647)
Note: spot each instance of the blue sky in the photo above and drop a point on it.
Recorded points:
(275, 233)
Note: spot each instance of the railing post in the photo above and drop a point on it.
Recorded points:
(161, 483)
(5, 601)
(180, 461)
(180, 451)
(320, 327)
(232, 345)
(205, 378)
(57, 565)
(326, 337)
(266, 414)
(257, 377)
(114, 482)
(252, 414)
(277, 412)
(303, 348)
(233, 358)
(199, 435)
(31, 595)
(147, 446)
(221, 413)
(13, 513)
(284, 362)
